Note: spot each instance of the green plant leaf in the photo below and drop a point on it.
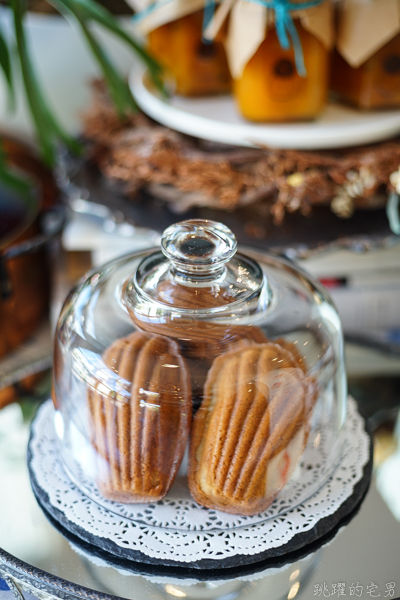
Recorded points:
(49, 131)
(47, 128)
(89, 10)
(117, 85)
(11, 178)
(5, 64)
(35, 100)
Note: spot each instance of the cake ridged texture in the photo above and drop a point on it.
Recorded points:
(206, 342)
(201, 342)
(251, 428)
(140, 435)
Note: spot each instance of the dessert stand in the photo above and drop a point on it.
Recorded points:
(305, 490)
(311, 456)
(56, 579)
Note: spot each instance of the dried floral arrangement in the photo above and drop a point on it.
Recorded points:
(186, 172)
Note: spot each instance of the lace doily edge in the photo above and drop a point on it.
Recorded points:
(300, 546)
(324, 527)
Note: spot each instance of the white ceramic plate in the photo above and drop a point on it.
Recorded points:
(217, 119)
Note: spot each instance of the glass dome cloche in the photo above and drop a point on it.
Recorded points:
(195, 370)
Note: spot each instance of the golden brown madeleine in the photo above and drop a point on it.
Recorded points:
(141, 436)
(251, 428)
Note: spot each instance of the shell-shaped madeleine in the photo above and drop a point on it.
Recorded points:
(251, 428)
(141, 436)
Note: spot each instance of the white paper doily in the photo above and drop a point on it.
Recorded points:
(166, 542)
(178, 510)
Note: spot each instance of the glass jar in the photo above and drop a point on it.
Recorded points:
(374, 84)
(270, 88)
(235, 359)
(199, 69)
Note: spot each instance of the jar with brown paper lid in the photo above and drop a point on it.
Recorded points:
(366, 63)
(174, 32)
(269, 86)
(197, 68)
(232, 359)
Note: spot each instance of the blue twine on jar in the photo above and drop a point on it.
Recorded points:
(284, 25)
(209, 9)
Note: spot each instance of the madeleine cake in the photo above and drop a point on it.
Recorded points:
(251, 428)
(141, 436)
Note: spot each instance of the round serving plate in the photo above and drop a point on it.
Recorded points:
(217, 119)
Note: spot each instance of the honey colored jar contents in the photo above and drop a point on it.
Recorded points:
(375, 84)
(270, 89)
(198, 68)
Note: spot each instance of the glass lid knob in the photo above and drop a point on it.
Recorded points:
(198, 247)
(196, 270)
